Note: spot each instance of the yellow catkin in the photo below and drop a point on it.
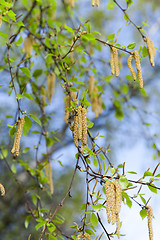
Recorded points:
(91, 85)
(108, 200)
(116, 62)
(118, 226)
(2, 189)
(83, 236)
(73, 96)
(97, 3)
(51, 78)
(87, 236)
(76, 130)
(151, 51)
(67, 105)
(93, 3)
(72, 3)
(84, 126)
(112, 61)
(80, 122)
(48, 171)
(129, 62)
(99, 105)
(138, 66)
(150, 216)
(0, 20)
(113, 203)
(28, 44)
(118, 195)
(15, 149)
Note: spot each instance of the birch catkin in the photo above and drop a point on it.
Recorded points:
(138, 66)
(129, 62)
(28, 44)
(76, 130)
(80, 122)
(83, 236)
(67, 105)
(113, 203)
(151, 51)
(2, 189)
(93, 3)
(97, 3)
(84, 126)
(116, 62)
(150, 216)
(51, 78)
(15, 149)
(48, 171)
(118, 196)
(108, 200)
(112, 61)
(0, 20)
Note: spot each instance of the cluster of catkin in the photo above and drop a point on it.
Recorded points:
(96, 99)
(2, 189)
(68, 98)
(135, 55)
(15, 149)
(83, 236)
(28, 44)
(151, 50)
(79, 127)
(113, 203)
(114, 61)
(150, 216)
(95, 2)
(48, 171)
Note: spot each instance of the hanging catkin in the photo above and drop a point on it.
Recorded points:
(138, 66)
(17, 139)
(2, 189)
(0, 20)
(48, 171)
(80, 122)
(118, 195)
(113, 203)
(151, 51)
(116, 62)
(28, 44)
(112, 61)
(67, 105)
(108, 200)
(97, 3)
(76, 130)
(129, 62)
(51, 78)
(149, 217)
(71, 3)
(43, 92)
(93, 3)
(84, 126)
